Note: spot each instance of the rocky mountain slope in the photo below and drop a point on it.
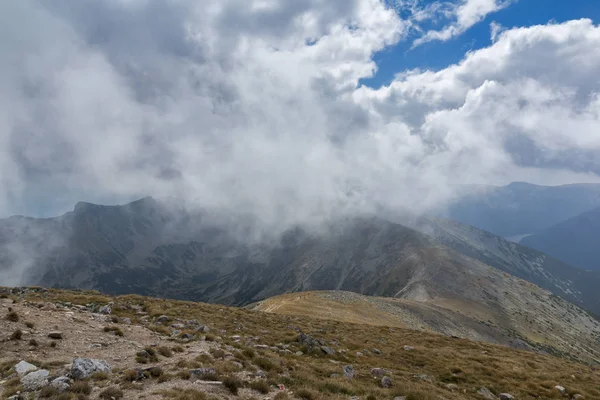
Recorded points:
(150, 248)
(574, 284)
(575, 241)
(521, 208)
(68, 345)
(533, 320)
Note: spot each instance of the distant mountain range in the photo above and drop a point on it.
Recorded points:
(160, 249)
(521, 208)
(575, 241)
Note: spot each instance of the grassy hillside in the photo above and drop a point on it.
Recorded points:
(241, 342)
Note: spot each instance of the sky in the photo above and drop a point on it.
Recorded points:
(293, 110)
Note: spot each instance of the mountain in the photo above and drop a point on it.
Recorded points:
(575, 241)
(520, 208)
(574, 284)
(155, 248)
(533, 320)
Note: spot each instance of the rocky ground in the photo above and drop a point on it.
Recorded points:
(75, 345)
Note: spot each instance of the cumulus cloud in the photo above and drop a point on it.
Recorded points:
(255, 107)
(463, 15)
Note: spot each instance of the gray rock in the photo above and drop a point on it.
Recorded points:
(62, 383)
(376, 351)
(187, 336)
(162, 319)
(561, 389)
(309, 341)
(299, 353)
(506, 396)
(378, 372)
(23, 368)
(202, 372)
(84, 367)
(106, 310)
(422, 377)
(327, 350)
(386, 382)
(15, 397)
(126, 321)
(55, 335)
(452, 386)
(408, 348)
(178, 326)
(35, 380)
(348, 371)
(486, 394)
(261, 374)
(577, 397)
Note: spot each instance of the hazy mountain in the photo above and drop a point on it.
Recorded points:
(521, 208)
(575, 241)
(574, 284)
(148, 247)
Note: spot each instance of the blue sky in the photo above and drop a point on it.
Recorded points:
(436, 55)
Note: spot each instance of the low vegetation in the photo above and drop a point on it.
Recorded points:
(255, 354)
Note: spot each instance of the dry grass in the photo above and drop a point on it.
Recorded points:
(114, 330)
(12, 316)
(111, 393)
(469, 365)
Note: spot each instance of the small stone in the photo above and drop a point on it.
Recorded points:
(560, 388)
(348, 371)
(177, 326)
(261, 374)
(452, 386)
(162, 319)
(577, 397)
(299, 353)
(486, 394)
(62, 383)
(376, 351)
(359, 354)
(35, 380)
(261, 346)
(408, 348)
(378, 372)
(506, 396)
(327, 350)
(126, 321)
(23, 368)
(386, 382)
(55, 335)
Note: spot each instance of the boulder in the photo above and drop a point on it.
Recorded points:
(23, 368)
(309, 341)
(84, 367)
(35, 380)
(386, 382)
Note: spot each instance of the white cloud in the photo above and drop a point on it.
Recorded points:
(463, 15)
(253, 106)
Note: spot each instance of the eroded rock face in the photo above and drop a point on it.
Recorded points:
(84, 367)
